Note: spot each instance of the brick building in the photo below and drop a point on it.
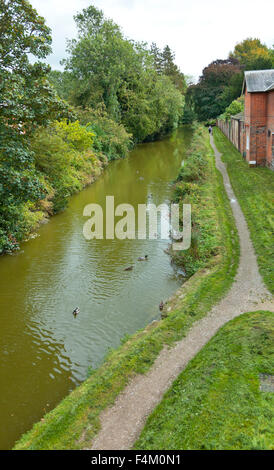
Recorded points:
(258, 88)
(252, 132)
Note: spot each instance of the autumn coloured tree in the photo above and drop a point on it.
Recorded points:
(253, 55)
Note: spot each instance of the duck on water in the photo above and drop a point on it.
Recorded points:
(76, 311)
(141, 258)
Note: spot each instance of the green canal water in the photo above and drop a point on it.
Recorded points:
(45, 351)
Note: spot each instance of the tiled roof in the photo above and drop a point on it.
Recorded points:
(259, 80)
(239, 116)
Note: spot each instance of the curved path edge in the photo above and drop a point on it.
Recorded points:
(122, 423)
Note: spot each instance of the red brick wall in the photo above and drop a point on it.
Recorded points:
(247, 107)
(270, 128)
(247, 114)
(258, 109)
(255, 115)
(242, 138)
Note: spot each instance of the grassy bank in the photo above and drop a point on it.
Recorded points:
(194, 186)
(216, 403)
(254, 191)
(75, 421)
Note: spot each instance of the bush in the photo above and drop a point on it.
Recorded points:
(63, 154)
(109, 138)
(76, 136)
(237, 106)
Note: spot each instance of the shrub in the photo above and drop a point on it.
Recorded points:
(76, 136)
(109, 137)
(63, 153)
(237, 106)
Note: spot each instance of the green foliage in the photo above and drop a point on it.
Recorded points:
(19, 183)
(153, 113)
(233, 89)
(63, 154)
(62, 82)
(189, 115)
(237, 106)
(110, 138)
(27, 101)
(195, 186)
(106, 68)
(78, 137)
(207, 97)
(216, 402)
(254, 191)
(164, 63)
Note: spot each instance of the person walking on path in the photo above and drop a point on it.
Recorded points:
(210, 130)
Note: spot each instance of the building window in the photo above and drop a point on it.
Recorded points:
(247, 141)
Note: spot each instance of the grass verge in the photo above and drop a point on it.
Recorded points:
(216, 403)
(253, 188)
(75, 421)
(195, 186)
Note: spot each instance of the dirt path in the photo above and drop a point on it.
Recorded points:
(122, 423)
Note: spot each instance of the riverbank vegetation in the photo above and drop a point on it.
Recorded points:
(217, 402)
(254, 191)
(113, 93)
(194, 186)
(75, 421)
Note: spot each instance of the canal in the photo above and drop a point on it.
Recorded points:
(45, 351)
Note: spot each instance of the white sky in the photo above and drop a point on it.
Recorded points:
(198, 31)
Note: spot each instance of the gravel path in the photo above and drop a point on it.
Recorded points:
(122, 423)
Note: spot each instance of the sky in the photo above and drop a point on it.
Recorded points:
(198, 31)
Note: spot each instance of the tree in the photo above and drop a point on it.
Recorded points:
(233, 89)
(129, 79)
(62, 82)
(27, 101)
(157, 58)
(207, 97)
(97, 60)
(170, 69)
(253, 55)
